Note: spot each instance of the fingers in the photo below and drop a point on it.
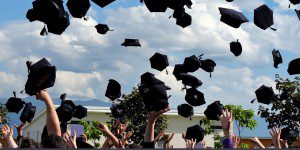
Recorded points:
(74, 134)
(171, 136)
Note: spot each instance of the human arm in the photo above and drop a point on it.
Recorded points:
(112, 137)
(169, 138)
(226, 121)
(257, 142)
(275, 133)
(7, 134)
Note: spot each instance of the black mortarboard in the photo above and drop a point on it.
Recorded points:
(149, 79)
(229, 0)
(102, 28)
(41, 76)
(64, 113)
(113, 90)
(185, 110)
(191, 64)
(236, 48)
(297, 13)
(195, 132)
(131, 42)
(28, 113)
(208, 65)
(184, 20)
(294, 67)
(178, 69)
(190, 80)
(78, 8)
(295, 2)
(156, 6)
(14, 104)
(194, 97)
(103, 3)
(263, 17)
(50, 12)
(159, 61)
(178, 4)
(265, 94)
(80, 112)
(232, 17)
(276, 58)
(214, 110)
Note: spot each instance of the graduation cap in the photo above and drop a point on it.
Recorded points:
(41, 76)
(185, 110)
(295, 2)
(156, 6)
(294, 67)
(78, 8)
(50, 12)
(263, 17)
(113, 90)
(102, 28)
(207, 65)
(185, 20)
(194, 97)
(178, 70)
(64, 113)
(232, 17)
(195, 132)
(159, 61)
(236, 48)
(149, 79)
(214, 110)
(191, 64)
(131, 42)
(265, 94)
(103, 3)
(178, 4)
(67, 102)
(276, 58)
(229, 0)
(80, 112)
(298, 13)
(190, 80)
(14, 104)
(28, 113)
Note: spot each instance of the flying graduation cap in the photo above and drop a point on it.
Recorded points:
(265, 95)
(178, 4)
(102, 3)
(14, 104)
(191, 64)
(263, 17)
(185, 110)
(190, 80)
(195, 132)
(28, 113)
(207, 65)
(214, 110)
(229, 0)
(236, 48)
(184, 20)
(194, 97)
(78, 8)
(65, 112)
(80, 112)
(156, 6)
(294, 67)
(131, 42)
(41, 76)
(294, 2)
(113, 90)
(276, 58)
(102, 28)
(50, 12)
(178, 70)
(159, 61)
(232, 17)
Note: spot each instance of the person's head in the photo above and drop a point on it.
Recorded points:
(52, 141)
(83, 137)
(28, 143)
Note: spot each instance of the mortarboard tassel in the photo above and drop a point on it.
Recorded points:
(253, 100)
(273, 29)
(290, 5)
(22, 91)
(169, 96)
(15, 95)
(167, 71)
(44, 31)
(86, 18)
(210, 74)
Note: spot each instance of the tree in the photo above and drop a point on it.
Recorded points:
(92, 132)
(136, 115)
(284, 110)
(3, 114)
(243, 118)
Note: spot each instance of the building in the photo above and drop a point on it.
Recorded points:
(177, 124)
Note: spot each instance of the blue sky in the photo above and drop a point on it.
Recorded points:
(86, 60)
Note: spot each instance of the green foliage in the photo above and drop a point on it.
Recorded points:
(208, 130)
(244, 146)
(92, 132)
(3, 114)
(243, 118)
(284, 111)
(136, 115)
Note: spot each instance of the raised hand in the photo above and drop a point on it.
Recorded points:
(226, 120)
(70, 141)
(275, 133)
(159, 136)
(257, 142)
(190, 144)
(152, 116)
(7, 132)
(236, 141)
(169, 138)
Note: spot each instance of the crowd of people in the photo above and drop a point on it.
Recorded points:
(118, 137)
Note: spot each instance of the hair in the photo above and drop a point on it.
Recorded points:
(52, 141)
(28, 143)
